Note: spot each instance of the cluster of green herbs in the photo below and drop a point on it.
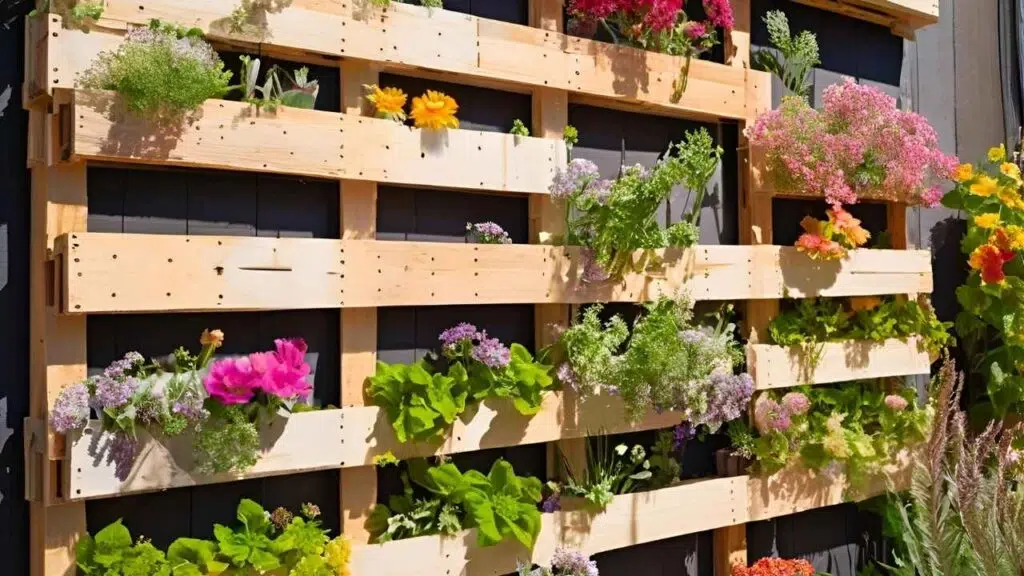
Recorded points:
(424, 399)
(76, 13)
(797, 55)
(620, 470)
(854, 428)
(441, 499)
(280, 87)
(664, 364)
(263, 543)
(617, 224)
(814, 321)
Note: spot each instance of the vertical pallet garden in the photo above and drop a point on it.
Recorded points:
(77, 273)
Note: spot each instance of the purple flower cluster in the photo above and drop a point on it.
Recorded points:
(488, 351)
(580, 176)
(190, 405)
(124, 366)
(552, 503)
(113, 392)
(71, 409)
(487, 233)
(567, 376)
(681, 434)
(796, 403)
(121, 452)
(572, 563)
(769, 416)
(728, 398)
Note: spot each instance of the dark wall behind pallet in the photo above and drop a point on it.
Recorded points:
(964, 107)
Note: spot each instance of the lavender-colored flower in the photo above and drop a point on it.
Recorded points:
(796, 403)
(566, 375)
(71, 409)
(552, 503)
(693, 336)
(114, 393)
(120, 368)
(896, 403)
(682, 432)
(149, 408)
(600, 189)
(728, 396)
(487, 233)
(121, 452)
(491, 352)
(573, 563)
(574, 179)
(190, 405)
(769, 416)
(463, 331)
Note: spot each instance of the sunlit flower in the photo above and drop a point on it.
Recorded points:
(989, 260)
(1010, 197)
(434, 111)
(1015, 235)
(849, 226)
(388, 103)
(796, 403)
(997, 153)
(985, 186)
(859, 303)
(963, 173)
(987, 221)
(213, 338)
(1010, 169)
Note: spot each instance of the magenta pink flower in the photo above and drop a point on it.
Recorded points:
(695, 30)
(231, 381)
(895, 402)
(283, 373)
(720, 13)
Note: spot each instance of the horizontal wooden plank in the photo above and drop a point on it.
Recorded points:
(779, 367)
(903, 17)
(109, 273)
(798, 489)
(235, 136)
(344, 438)
(630, 519)
(405, 37)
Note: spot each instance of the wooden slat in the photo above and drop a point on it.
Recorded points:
(347, 438)
(903, 17)
(629, 520)
(406, 37)
(796, 489)
(730, 548)
(233, 135)
(148, 273)
(778, 367)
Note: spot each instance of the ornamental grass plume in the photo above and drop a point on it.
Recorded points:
(859, 145)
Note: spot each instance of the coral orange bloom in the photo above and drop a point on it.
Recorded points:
(434, 110)
(849, 226)
(989, 259)
(775, 567)
(811, 225)
(963, 173)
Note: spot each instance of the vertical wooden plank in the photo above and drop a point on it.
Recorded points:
(979, 106)
(358, 325)
(730, 548)
(896, 223)
(58, 358)
(737, 42)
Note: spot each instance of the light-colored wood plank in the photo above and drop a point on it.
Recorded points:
(148, 273)
(629, 520)
(737, 42)
(778, 367)
(797, 489)
(902, 17)
(346, 438)
(406, 37)
(233, 135)
(896, 224)
(730, 549)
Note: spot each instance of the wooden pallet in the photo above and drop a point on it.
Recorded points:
(75, 273)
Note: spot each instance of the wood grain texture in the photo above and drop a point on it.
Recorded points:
(346, 438)
(778, 367)
(144, 273)
(233, 135)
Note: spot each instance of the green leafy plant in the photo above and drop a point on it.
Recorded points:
(423, 400)
(798, 55)
(161, 75)
(609, 472)
(614, 219)
(519, 129)
(500, 505)
(571, 136)
(300, 93)
(112, 551)
(76, 13)
(853, 428)
(669, 363)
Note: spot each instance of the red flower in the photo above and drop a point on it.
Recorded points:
(775, 567)
(990, 259)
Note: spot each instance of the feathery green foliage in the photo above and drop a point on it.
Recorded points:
(799, 54)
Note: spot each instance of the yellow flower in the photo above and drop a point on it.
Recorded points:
(1010, 198)
(434, 110)
(963, 173)
(337, 552)
(213, 338)
(997, 153)
(987, 221)
(1010, 169)
(984, 187)
(388, 103)
(1016, 236)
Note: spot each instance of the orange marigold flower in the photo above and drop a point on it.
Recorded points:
(963, 173)
(989, 259)
(435, 111)
(849, 226)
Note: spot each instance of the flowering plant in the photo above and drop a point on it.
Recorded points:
(220, 404)
(775, 567)
(487, 233)
(852, 428)
(161, 72)
(859, 145)
(422, 400)
(831, 239)
(565, 562)
(387, 103)
(613, 219)
(266, 543)
(669, 363)
(434, 111)
(990, 324)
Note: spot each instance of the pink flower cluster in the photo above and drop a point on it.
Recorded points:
(858, 145)
(281, 373)
(655, 15)
(771, 416)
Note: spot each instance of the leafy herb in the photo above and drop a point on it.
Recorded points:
(519, 129)
(609, 472)
(571, 136)
(113, 552)
(280, 88)
(799, 54)
(420, 405)
(76, 13)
